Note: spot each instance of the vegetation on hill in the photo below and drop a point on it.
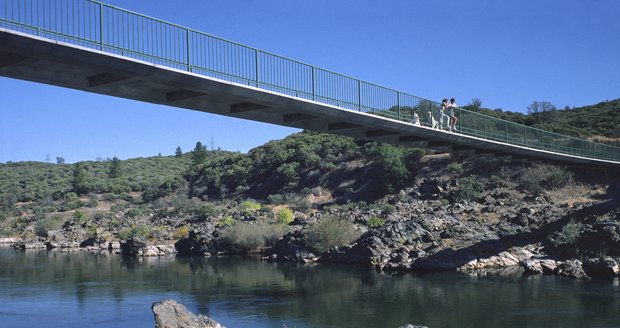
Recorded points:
(600, 122)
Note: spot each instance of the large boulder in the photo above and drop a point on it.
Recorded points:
(601, 267)
(133, 246)
(511, 257)
(539, 266)
(195, 244)
(571, 269)
(139, 247)
(292, 247)
(170, 314)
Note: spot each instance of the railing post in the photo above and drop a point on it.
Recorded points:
(484, 125)
(189, 66)
(313, 98)
(398, 104)
(359, 95)
(256, 66)
(525, 135)
(506, 130)
(101, 26)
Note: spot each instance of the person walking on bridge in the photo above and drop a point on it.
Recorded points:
(452, 114)
(442, 114)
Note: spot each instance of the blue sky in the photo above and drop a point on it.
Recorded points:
(508, 53)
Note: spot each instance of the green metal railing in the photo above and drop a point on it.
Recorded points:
(114, 30)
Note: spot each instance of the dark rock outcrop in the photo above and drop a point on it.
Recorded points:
(601, 267)
(170, 314)
(140, 247)
(292, 247)
(133, 246)
(571, 269)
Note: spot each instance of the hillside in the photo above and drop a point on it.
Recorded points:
(312, 197)
(600, 122)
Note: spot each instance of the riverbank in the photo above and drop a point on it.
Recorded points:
(321, 198)
(415, 230)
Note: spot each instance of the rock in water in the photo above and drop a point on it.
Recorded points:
(571, 268)
(412, 326)
(133, 246)
(170, 314)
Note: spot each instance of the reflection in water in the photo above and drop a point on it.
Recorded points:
(103, 290)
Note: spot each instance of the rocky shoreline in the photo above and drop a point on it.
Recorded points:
(493, 233)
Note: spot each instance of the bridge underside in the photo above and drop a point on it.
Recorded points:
(31, 58)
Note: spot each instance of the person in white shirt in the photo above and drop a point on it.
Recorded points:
(452, 114)
(442, 114)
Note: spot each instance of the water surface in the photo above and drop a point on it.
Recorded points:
(53, 289)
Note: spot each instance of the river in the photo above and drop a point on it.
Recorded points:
(54, 289)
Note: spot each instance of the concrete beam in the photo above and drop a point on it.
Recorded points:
(463, 148)
(406, 139)
(436, 143)
(342, 126)
(297, 117)
(245, 107)
(182, 95)
(379, 133)
(103, 79)
(8, 60)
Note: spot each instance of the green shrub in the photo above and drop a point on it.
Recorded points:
(531, 186)
(226, 221)
(284, 215)
(137, 211)
(557, 179)
(136, 231)
(92, 201)
(388, 208)
(301, 205)
(456, 168)
(331, 232)
(249, 207)
(252, 238)
(99, 216)
(469, 189)
(124, 234)
(375, 221)
(70, 202)
(207, 210)
(568, 234)
(495, 180)
(42, 227)
(79, 217)
(182, 232)
(391, 163)
(275, 199)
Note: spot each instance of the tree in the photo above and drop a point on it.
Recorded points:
(475, 103)
(178, 152)
(116, 170)
(60, 160)
(542, 111)
(79, 179)
(199, 154)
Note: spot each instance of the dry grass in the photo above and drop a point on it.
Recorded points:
(577, 193)
(605, 140)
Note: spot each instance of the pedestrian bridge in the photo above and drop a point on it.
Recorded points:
(95, 47)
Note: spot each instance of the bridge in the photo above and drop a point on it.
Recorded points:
(94, 47)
